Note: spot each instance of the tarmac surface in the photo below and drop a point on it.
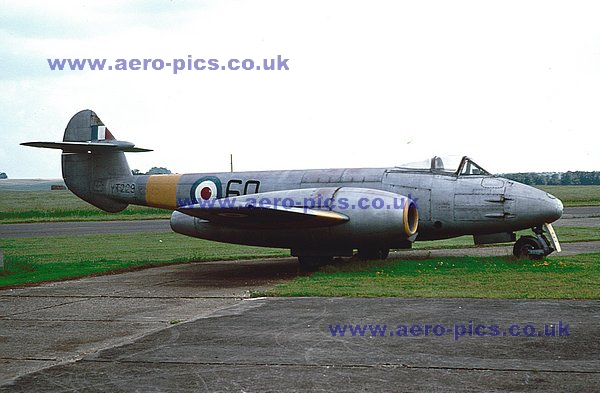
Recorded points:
(192, 327)
(56, 323)
(83, 228)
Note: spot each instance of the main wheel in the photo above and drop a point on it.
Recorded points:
(373, 253)
(524, 245)
(312, 263)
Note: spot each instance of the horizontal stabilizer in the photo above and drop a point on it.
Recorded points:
(239, 214)
(82, 147)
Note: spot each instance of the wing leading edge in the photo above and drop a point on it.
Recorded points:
(240, 214)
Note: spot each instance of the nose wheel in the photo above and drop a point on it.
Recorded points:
(538, 246)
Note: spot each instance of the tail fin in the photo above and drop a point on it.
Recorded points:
(91, 158)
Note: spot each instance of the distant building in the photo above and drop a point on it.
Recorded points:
(57, 187)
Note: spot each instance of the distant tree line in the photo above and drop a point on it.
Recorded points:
(576, 178)
(155, 170)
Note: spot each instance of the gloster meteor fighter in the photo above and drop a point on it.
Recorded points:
(317, 214)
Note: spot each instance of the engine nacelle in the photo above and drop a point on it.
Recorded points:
(376, 219)
(376, 214)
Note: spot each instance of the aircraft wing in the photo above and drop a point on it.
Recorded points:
(240, 213)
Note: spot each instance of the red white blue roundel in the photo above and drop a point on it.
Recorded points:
(206, 188)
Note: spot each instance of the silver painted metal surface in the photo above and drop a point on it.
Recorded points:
(332, 211)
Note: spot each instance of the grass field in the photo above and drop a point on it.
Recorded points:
(41, 206)
(575, 195)
(555, 277)
(30, 260)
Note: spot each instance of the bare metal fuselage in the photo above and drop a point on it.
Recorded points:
(449, 205)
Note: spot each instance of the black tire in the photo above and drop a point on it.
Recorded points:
(524, 245)
(373, 253)
(313, 263)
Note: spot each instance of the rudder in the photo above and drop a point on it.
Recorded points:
(86, 126)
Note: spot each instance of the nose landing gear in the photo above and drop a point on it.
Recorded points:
(538, 246)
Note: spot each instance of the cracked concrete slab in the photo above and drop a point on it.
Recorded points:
(61, 322)
(287, 344)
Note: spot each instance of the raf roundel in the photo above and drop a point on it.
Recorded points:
(206, 188)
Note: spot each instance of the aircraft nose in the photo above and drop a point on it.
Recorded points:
(555, 208)
(533, 206)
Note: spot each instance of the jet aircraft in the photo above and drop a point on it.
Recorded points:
(317, 214)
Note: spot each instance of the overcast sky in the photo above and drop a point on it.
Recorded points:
(513, 84)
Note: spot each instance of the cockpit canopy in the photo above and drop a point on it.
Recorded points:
(459, 166)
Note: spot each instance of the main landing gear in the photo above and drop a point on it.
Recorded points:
(373, 253)
(538, 246)
(310, 263)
